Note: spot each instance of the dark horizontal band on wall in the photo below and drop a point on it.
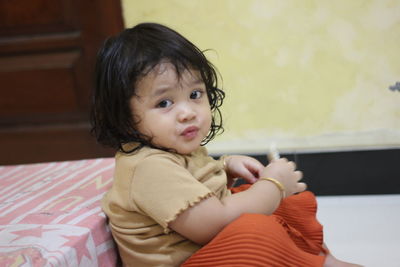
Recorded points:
(350, 172)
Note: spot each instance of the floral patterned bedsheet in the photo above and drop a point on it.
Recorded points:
(50, 214)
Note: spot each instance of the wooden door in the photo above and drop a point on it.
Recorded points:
(47, 54)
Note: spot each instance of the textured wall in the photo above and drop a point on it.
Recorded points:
(309, 75)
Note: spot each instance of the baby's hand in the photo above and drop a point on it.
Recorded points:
(244, 167)
(285, 172)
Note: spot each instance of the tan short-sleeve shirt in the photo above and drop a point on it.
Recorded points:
(151, 188)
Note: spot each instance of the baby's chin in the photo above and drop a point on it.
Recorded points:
(183, 150)
(186, 150)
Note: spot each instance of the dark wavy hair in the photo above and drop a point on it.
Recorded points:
(123, 60)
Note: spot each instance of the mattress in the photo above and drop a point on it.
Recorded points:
(50, 214)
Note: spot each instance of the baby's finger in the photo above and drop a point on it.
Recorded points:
(249, 176)
(292, 165)
(255, 167)
(301, 187)
(298, 175)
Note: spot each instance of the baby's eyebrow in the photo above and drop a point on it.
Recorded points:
(160, 91)
(196, 82)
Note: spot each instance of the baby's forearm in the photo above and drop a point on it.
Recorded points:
(262, 197)
(203, 221)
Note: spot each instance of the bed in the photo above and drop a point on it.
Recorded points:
(50, 214)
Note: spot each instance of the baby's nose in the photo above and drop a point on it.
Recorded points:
(186, 113)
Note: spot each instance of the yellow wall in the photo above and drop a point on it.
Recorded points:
(309, 75)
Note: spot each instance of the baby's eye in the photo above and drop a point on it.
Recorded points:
(196, 94)
(164, 104)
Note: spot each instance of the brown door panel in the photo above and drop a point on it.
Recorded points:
(47, 55)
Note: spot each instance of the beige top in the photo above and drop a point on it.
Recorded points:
(151, 188)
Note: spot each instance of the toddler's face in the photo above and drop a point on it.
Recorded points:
(174, 111)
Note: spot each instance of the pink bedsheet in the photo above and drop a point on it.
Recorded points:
(50, 214)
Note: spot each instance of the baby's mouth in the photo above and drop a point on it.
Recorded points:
(190, 132)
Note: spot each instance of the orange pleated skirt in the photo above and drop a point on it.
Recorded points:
(292, 236)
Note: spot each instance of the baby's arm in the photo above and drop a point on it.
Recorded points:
(203, 221)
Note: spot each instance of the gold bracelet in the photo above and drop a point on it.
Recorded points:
(277, 183)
